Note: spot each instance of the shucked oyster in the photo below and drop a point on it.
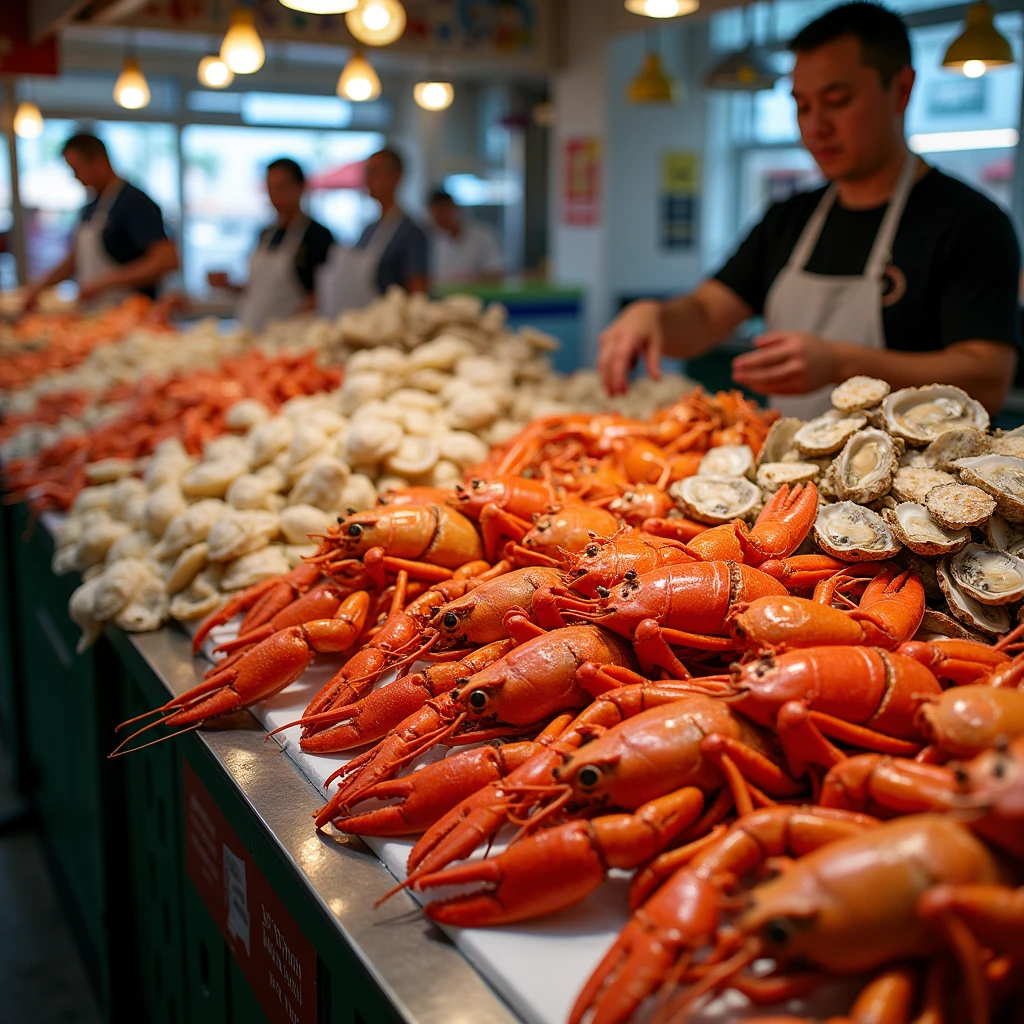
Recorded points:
(717, 499)
(727, 460)
(914, 527)
(989, 576)
(991, 619)
(920, 415)
(854, 533)
(826, 434)
(863, 471)
(1002, 476)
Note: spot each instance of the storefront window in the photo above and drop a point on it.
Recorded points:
(8, 270)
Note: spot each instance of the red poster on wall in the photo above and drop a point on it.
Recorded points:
(581, 200)
(276, 958)
(18, 55)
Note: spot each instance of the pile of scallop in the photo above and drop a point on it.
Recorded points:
(913, 475)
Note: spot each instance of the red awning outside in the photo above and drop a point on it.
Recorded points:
(346, 176)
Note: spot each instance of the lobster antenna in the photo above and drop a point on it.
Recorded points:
(119, 750)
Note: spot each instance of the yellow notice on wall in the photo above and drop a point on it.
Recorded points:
(680, 190)
(680, 173)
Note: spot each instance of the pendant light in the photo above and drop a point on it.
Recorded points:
(214, 73)
(131, 90)
(650, 84)
(376, 22)
(28, 122)
(433, 95)
(242, 48)
(358, 81)
(662, 8)
(320, 6)
(746, 70)
(980, 46)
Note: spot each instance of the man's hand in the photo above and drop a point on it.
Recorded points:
(786, 363)
(88, 290)
(636, 330)
(30, 298)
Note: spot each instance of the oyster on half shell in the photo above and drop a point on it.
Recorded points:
(827, 434)
(853, 533)
(989, 576)
(733, 460)
(863, 470)
(920, 415)
(1002, 476)
(717, 499)
(986, 618)
(915, 528)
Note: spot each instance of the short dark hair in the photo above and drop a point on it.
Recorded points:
(440, 196)
(881, 33)
(397, 164)
(85, 145)
(290, 167)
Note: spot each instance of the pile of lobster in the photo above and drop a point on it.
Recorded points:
(792, 776)
(45, 342)
(188, 406)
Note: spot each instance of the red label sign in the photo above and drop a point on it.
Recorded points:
(276, 958)
(581, 193)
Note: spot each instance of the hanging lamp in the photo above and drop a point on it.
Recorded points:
(358, 81)
(748, 69)
(214, 73)
(131, 90)
(662, 8)
(980, 46)
(28, 121)
(242, 49)
(433, 95)
(320, 6)
(376, 22)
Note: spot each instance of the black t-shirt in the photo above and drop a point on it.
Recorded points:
(311, 253)
(134, 223)
(406, 255)
(955, 268)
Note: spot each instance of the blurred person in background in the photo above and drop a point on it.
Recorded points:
(392, 250)
(120, 245)
(283, 267)
(462, 251)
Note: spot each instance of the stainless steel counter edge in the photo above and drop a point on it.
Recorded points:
(423, 975)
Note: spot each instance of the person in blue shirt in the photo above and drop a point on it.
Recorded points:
(120, 244)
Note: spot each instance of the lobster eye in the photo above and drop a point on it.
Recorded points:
(961, 776)
(588, 776)
(592, 551)
(631, 575)
(603, 592)
(354, 530)
(477, 700)
(999, 769)
(451, 620)
(778, 931)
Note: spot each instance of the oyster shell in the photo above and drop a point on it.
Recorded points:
(912, 483)
(989, 576)
(920, 415)
(860, 392)
(958, 505)
(717, 499)
(1008, 444)
(779, 440)
(991, 619)
(1002, 476)
(916, 529)
(939, 625)
(772, 475)
(958, 443)
(1004, 536)
(827, 434)
(733, 460)
(865, 466)
(854, 533)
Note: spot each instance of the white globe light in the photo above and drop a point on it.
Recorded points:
(321, 6)
(28, 122)
(242, 48)
(358, 81)
(974, 68)
(131, 90)
(213, 72)
(376, 22)
(433, 95)
(662, 8)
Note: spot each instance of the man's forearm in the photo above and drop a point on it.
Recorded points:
(61, 272)
(687, 328)
(146, 270)
(983, 369)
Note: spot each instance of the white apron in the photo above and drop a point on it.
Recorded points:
(834, 307)
(274, 291)
(348, 280)
(92, 261)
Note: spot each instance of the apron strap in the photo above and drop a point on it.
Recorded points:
(808, 240)
(881, 251)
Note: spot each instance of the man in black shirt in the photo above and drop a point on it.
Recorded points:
(282, 270)
(894, 270)
(120, 245)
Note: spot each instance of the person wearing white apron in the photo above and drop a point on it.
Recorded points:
(120, 246)
(284, 265)
(894, 270)
(392, 251)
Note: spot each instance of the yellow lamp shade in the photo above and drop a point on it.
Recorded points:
(28, 122)
(320, 6)
(662, 8)
(358, 81)
(214, 73)
(376, 22)
(980, 46)
(131, 90)
(242, 48)
(433, 95)
(651, 84)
